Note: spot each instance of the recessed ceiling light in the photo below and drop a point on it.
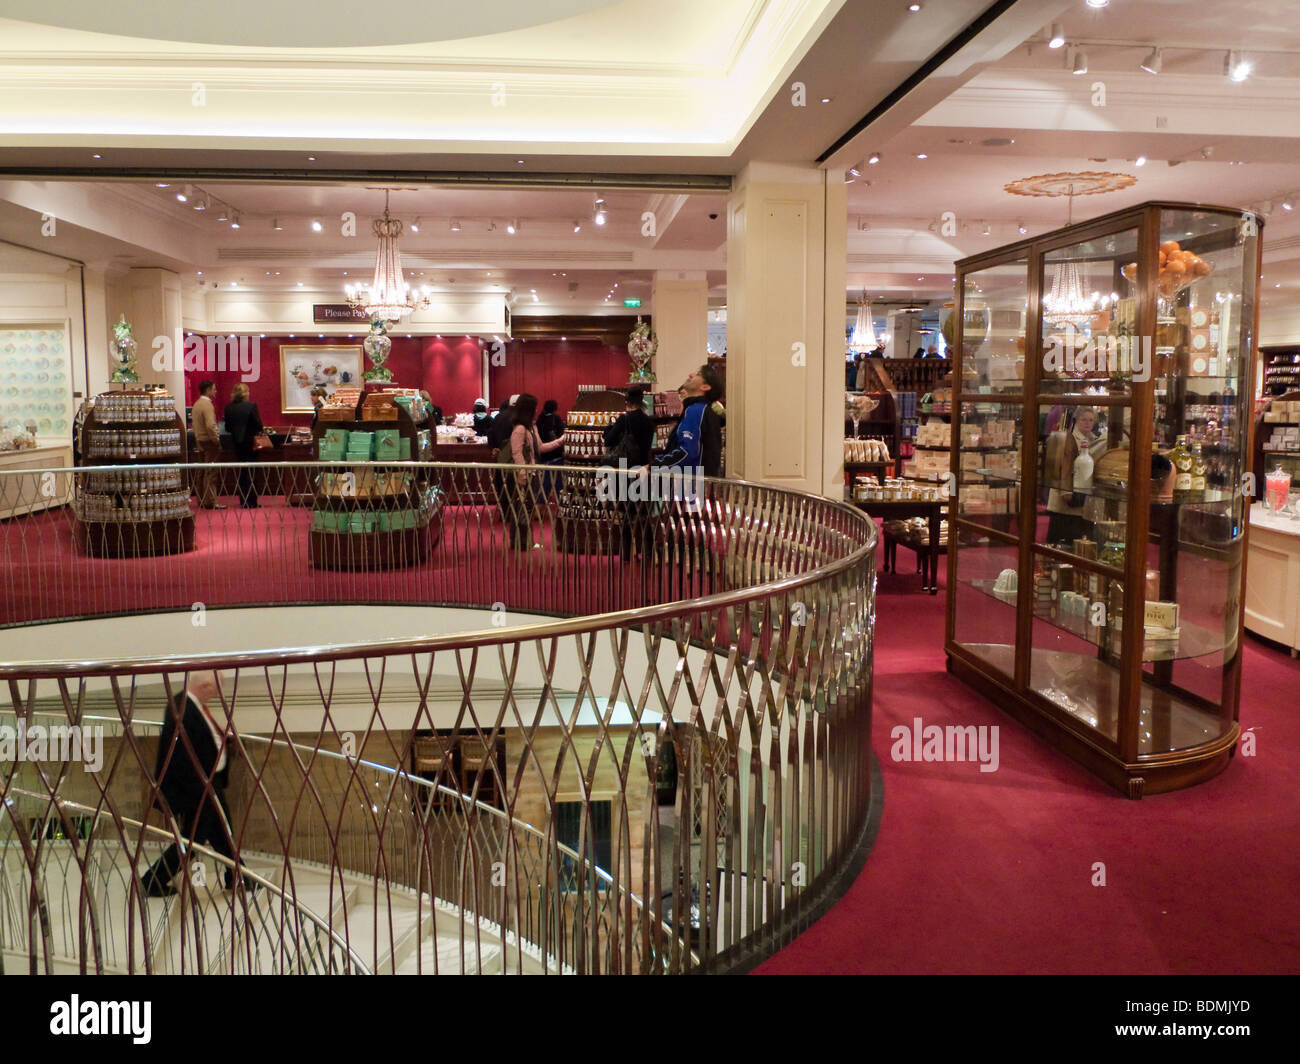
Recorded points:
(1097, 3)
(1151, 64)
(316, 226)
(1057, 38)
(415, 226)
(234, 221)
(914, 8)
(1141, 160)
(311, 158)
(577, 227)
(1021, 229)
(510, 228)
(184, 196)
(96, 156)
(1288, 204)
(234, 284)
(163, 184)
(826, 99)
(299, 284)
(922, 155)
(520, 162)
(873, 158)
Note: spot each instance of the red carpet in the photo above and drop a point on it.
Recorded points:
(992, 872)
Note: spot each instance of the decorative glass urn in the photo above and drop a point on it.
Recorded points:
(376, 346)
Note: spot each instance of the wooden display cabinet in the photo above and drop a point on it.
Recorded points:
(378, 547)
(1085, 360)
(141, 508)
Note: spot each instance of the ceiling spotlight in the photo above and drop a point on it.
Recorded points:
(988, 230)
(222, 216)
(577, 227)
(455, 226)
(415, 226)
(1057, 39)
(184, 197)
(163, 184)
(1236, 67)
(201, 204)
(600, 217)
(1141, 160)
(1151, 64)
(234, 221)
(316, 227)
(1288, 204)
(511, 227)
(922, 155)
(96, 156)
(275, 224)
(1098, 4)
(854, 172)
(873, 158)
(1080, 62)
(1021, 229)
(914, 7)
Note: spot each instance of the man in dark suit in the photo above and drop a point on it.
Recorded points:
(191, 771)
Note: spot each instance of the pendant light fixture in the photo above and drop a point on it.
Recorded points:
(388, 297)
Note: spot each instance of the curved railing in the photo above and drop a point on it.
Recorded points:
(697, 727)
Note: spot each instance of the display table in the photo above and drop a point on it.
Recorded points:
(21, 495)
(928, 553)
(1273, 578)
(464, 487)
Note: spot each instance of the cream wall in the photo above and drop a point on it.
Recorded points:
(227, 310)
(44, 290)
(786, 249)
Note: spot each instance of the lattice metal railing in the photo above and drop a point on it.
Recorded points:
(735, 625)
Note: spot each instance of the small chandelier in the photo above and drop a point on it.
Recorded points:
(864, 332)
(388, 297)
(1066, 303)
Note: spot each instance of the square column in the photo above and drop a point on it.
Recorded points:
(787, 230)
(153, 307)
(680, 318)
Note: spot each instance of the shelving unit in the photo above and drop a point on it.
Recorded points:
(585, 524)
(133, 512)
(375, 516)
(1273, 445)
(1045, 580)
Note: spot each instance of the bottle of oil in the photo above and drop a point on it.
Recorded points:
(1181, 456)
(1198, 471)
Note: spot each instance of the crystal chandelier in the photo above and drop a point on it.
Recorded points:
(388, 297)
(864, 332)
(1066, 302)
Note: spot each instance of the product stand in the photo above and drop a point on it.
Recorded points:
(125, 513)
(375, 547)
(1108, 620)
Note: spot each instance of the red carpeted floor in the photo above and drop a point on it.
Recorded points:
(992, 872)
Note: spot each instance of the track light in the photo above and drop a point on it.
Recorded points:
(600, 217)
(1057, 39)
(275, 224)
(1288, 204)
(1151, 64)
(511, 226)
(234, 221)
(577, 227)
(201, 204)
(455, 226)
(1080, 62)
(415, 226)
(184, 196)
(1236, 67)
(988, 230)
(222, 216)
(873, 158)
(1021, 229)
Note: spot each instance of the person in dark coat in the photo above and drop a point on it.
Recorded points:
(191, 772)
(244, 424)
(696, 441)
(636, 424)
(502, 424)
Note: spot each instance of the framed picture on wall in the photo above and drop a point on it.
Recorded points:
(307, 366)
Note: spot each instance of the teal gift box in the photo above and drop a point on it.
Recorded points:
(404, 448)
(387, 444)
(335, 438)
(384, 521)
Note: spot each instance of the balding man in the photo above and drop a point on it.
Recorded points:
(191, 771)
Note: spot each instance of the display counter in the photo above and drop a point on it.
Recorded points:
(21, 495)
(467, 487)
(266, 481)
(1273, 578)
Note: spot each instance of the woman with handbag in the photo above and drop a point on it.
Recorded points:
(245, 427)
(523, 448)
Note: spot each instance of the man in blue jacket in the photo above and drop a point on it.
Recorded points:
(696, 441)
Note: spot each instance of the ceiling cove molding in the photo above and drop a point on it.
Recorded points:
(434, 259)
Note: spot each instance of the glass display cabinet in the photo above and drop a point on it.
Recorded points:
(1102, 407)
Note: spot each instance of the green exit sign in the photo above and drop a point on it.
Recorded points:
(631, 302)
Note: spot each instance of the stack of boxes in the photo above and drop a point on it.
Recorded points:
(381, 444)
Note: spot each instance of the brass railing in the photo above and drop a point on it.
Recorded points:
(690, 738)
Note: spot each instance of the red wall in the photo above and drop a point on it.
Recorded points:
(449, 369)
(553, 369)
